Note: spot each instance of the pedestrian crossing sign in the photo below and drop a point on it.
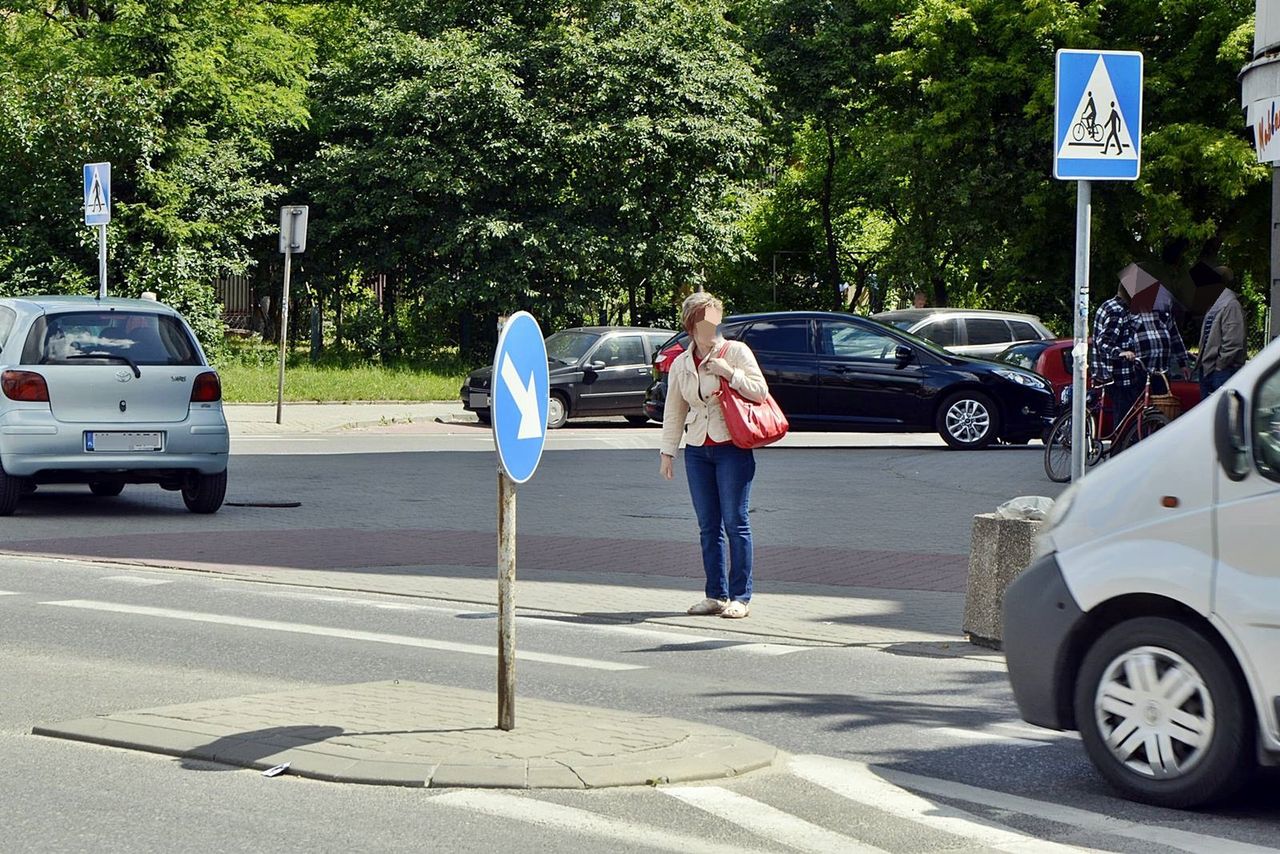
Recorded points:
(1098, 115)
(97, 193)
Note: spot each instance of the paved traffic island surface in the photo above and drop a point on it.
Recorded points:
(414, 734)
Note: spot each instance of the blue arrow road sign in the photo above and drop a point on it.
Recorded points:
(521, 393)
(1098, 115)
(97, 193)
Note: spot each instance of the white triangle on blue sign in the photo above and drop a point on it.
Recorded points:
(1098, 129)
(95, 199)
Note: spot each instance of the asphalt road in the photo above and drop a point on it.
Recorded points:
(929, 723)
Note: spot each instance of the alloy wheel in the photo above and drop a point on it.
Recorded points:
(968, 420)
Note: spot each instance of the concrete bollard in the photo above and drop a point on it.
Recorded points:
(1001, 549)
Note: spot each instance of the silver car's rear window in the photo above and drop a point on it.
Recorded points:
(142, 337)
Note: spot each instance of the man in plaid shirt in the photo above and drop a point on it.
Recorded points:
(1114, 351)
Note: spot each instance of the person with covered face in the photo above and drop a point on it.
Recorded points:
(719, 473)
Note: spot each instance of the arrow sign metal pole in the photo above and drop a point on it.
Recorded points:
(506, 602)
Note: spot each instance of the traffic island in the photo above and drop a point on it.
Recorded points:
(414, 734)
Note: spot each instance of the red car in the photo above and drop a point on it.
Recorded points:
(1052, 360)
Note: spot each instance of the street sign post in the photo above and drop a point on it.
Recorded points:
(97, 212)
(1097, 136)
(520, 399)
(293, 238)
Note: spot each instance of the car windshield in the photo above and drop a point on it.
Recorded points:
(568, 347)
(922, 343)
(138, 337)
(1021, 355)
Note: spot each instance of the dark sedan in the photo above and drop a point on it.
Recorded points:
(595, 370)
(841, 372)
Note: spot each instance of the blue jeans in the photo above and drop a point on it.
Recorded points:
(720, 484)
(1214, 381)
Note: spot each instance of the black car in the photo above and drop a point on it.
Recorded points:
(595, 370)
(841, 372)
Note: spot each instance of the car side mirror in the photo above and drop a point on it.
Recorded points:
(1229, 435)
(904, 355)
(597, 365)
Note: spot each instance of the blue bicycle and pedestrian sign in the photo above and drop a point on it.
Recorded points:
(521, 395)
(1098, 115)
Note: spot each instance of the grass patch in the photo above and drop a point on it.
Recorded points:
(250, 373)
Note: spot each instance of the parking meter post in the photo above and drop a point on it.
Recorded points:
(284, 336)
(1080, 348)
(506, 602)
(102, 261)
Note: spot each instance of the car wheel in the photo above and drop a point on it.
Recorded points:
(11, 489)
(557, 411)
(968, 420)
(204, 492)
(637, 420)
(1162, 714)
(106, 488)
(484, 416)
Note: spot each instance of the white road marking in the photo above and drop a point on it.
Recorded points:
(1042, 732)
(137, 579)
(9, 593)
(1183, 840)
(558, 817)
(348, 634)
(767, 821)
(859, 783)
(983, 735)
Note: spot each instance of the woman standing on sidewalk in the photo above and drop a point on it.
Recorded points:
(719, 472)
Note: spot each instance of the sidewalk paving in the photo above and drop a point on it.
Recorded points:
(414, 734)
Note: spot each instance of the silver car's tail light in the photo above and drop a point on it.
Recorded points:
(207, 388)
(25, 386)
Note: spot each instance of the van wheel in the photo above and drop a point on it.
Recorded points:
(106, 488)
(11, 489)
(557, 411)
(1162, 714)
(968, 420)
(204, 492)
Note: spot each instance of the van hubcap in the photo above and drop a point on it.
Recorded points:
(968, 420)
(1154, 712)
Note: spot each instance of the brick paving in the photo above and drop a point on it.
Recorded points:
(342, 548)
(413, 734)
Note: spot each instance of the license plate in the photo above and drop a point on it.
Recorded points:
(479, 401)
(101, 440)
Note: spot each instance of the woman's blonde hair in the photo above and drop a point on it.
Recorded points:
(695, 306)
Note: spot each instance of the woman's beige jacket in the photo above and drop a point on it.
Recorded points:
(699, 416)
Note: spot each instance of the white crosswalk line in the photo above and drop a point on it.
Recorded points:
(983, 735)
(349, 634)
(9, 593)
(558, 817)
(767, 821)
(1183, 840)
(858, 782)
(138, 580)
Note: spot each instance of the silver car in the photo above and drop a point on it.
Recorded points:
(968, 331)
(106, 393)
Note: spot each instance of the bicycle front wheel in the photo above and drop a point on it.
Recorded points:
(1057, 450)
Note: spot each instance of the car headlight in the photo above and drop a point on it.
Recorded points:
(1026, 379)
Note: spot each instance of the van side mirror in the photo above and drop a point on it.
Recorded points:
(1229, 435)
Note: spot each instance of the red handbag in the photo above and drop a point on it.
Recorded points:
(751, 424)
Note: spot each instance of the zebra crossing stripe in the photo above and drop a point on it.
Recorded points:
(559, 817)
(1182, 840)
(9, 593)
(768, 822)
(859, 783)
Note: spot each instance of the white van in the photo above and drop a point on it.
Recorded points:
(1150, 618)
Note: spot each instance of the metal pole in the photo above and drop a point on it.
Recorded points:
(506, 602)
(1080, 349)
(102, 261)
(1273, 311)
(284, 336)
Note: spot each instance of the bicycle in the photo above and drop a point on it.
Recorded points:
(1080, 128)
(1139, 422)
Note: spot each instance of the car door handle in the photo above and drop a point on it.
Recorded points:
(644, 370)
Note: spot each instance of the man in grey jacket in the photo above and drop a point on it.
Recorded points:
(1222, 339)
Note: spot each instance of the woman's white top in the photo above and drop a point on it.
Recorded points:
(692, 410)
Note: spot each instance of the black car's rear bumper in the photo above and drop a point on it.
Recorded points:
(1040, 620)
